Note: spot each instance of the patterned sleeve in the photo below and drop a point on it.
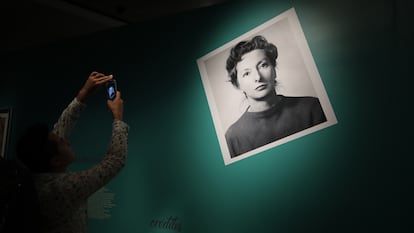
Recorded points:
(80, 185)
(68, 119)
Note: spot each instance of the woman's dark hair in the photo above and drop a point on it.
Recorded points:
(243, 47)
(34, 149)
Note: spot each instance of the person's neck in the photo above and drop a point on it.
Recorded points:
(263, 104)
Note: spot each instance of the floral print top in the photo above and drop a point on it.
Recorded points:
(63, 196)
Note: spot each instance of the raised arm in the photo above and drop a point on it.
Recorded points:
(85, 183)
(70, 115)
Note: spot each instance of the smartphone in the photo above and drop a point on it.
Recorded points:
(111, 89)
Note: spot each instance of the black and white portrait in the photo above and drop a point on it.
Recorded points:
(263, 89)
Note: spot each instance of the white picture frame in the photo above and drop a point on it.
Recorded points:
(297, 75)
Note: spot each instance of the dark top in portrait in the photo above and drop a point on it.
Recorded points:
(290, 115)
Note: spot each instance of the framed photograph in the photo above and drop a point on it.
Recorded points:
(263, 89)
(5, 119)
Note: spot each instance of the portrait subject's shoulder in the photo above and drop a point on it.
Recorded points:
(303, 103)
(234, 128)
(301, 100)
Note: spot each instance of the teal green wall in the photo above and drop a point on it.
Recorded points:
(345, 178)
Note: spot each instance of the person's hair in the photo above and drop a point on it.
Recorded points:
(243, 47)
(34, 149)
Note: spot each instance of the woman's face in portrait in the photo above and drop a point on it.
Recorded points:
(256, 75)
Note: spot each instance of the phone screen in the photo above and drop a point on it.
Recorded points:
(111, 89)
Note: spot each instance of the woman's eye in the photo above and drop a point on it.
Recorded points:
(246, 74)
(264, 65)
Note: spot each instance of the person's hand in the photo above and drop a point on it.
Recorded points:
(94, 80)
(116, 106)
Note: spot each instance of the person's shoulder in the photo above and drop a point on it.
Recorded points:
(302, 103)
(305, 100)
(300, 98)
(235, 127)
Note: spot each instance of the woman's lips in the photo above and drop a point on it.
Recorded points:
(261, 87)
